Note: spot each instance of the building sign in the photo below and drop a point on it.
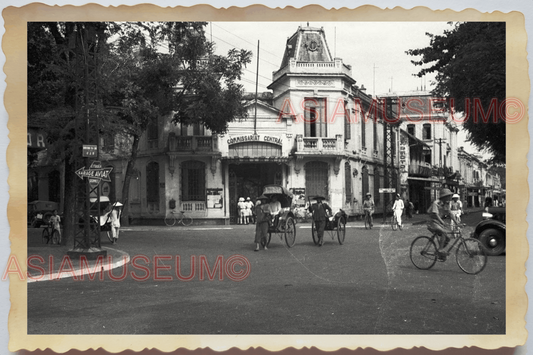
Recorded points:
(95, 173)
(255, 138)
(404, 161)
(214, 198)
(317, 82)
(36, 139)
(387, 190)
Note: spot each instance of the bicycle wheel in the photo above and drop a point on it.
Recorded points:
(423, 253)
(56, 239)
(341, 230)
(290, 232)
(170, 220)
(393, 223)
(46, 235)
(367, 221)
(471, 256)
(186, 220)
(314, 233)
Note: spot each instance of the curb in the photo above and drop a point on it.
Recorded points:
(78, 272)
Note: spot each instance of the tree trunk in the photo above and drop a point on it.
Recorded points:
(69, 213)
(127, 178)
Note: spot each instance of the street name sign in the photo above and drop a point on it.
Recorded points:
(89, 151)
(387, 190)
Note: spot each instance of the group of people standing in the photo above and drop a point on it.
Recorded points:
(245, 211)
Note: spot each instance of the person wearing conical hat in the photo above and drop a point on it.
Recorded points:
(263, 216)
(115, 221)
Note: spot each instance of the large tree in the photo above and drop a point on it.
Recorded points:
(469, 63)
(186, 80)
(143, 70)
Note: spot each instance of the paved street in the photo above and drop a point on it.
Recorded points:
(366, 286)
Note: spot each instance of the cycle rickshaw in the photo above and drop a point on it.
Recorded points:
(335, 224)
(284, 223)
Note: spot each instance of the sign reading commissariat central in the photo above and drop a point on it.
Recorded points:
(255, 138)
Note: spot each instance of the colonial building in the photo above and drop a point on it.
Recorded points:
(316, 133)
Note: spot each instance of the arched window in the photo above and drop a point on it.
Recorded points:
(193, 181)
(316, 178)
(152, 186)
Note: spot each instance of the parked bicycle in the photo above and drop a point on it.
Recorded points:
(470, 255)
(50, 234)
(178, 217)
(301, 214)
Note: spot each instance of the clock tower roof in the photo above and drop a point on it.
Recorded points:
(307, 44)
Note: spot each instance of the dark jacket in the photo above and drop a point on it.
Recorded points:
(319, 211)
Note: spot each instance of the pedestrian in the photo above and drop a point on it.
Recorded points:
(409, 209)
(55, 222)
(241, 210)
(249, 206)
(115, 221)
(262, 212)
(368, 207)
(456, 209)
(436, 224)
(397, 209)
(320, 213)
(275, 209)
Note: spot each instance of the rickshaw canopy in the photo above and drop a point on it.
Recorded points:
(283, 195)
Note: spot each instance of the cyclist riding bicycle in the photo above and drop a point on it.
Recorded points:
(368, 207)
(55, 223)
(436, 224)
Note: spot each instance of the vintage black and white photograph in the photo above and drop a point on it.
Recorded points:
(296, 178)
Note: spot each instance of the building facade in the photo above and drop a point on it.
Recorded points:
(316, 133)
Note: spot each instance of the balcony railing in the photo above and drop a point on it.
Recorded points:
(191, 143)
(319, 144)
(418, 168)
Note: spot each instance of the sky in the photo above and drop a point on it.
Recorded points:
(375, 50)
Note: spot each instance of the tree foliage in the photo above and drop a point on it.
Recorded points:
(145, 70)
(469, 63)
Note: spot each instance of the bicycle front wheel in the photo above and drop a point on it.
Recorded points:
(367, 221)
(470, 256)
(46, 235)
(423, 253)
(186, 220)
(170, 220)
(56, 239)
(393, 223)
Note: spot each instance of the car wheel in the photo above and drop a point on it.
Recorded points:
(493, 240)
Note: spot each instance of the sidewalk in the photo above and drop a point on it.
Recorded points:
(51, 262)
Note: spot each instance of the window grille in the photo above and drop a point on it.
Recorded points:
(316, 178)
(193, 181)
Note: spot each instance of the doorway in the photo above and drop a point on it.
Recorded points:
(248, 180)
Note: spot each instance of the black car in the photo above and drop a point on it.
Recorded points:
(491, 230)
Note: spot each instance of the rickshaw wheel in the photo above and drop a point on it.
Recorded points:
(314, 233)
(290, 232)
(341, 230)
(268, 240)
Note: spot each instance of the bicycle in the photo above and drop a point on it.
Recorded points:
(301, 214)
(470, 255)
(368, 220)
(171, 218)
(50, 234)
(394, 222)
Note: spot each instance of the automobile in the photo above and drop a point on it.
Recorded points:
(39, 212)
(491, 230)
